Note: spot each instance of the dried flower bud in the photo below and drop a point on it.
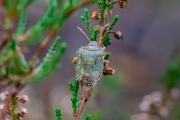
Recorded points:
(95, 15)
(163, 112)
(144, 106)
(74, 60)
(175, 93)
(123, 3)
(4, 95)
(169, 104)
(118, 35)
(22, 112)
(23, 98)
(1, 106)
(108, 71)
(111, 71)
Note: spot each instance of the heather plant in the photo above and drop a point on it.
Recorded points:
(16, 71)
(160, 104)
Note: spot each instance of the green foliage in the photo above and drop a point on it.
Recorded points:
(52, 59)
(88, 117)
(106, 40)
(94, 35)
(116, 18)
(22, 24)
(172, 76)
(85, 18)
(23, 4)
(107, 56)
(16, 7)
(75, 95)
(44, 24)
(58, 114)
(103, 5)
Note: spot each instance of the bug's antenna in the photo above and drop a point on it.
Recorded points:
(83, 33)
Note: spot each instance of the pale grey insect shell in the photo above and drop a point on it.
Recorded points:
(90, 61)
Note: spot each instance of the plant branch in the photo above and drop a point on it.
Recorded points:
(13, 91)
(83, 101)
(68, 13)
(8, 38)
(1, 16)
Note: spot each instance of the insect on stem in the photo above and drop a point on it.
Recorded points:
(83, 33)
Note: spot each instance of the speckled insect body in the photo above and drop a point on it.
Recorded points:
(90, 65)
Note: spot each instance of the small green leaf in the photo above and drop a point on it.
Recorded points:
(94, 35)
(22, 24)
(75, 95)
(88, 117)
(58, 114)
(107, 56)
(116, 18)
(85, 18)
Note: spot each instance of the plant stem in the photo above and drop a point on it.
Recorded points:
(83, 101)
(8, 38)
(13, 91)
(1, 16)
(68, 13)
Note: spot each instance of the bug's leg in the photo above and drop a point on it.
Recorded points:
(82, 95)
(74, 60)
(87, 95)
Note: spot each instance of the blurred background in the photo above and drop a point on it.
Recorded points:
(151, 42)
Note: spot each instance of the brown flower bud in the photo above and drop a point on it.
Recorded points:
(23, 98)
(175, 93)
(123, 3)
(111, 71)
(4, 95)
(74, 60)
(1, 106)
(118, 35)
(108, 71)
(21, 113)
(95, 15)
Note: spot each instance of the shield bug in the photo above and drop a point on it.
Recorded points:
(89, 65)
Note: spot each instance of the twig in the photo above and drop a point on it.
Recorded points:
(49, 36)
(82, 4)
(68, 13)
(83, 101)
(14, 91)
(15, 53)
(9, 36)
(1, 16)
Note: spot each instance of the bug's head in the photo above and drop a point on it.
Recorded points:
(93, 43)
(86, 82)
(92, 46)
(86, 78)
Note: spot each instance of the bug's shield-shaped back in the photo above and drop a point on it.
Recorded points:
(90, 65)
